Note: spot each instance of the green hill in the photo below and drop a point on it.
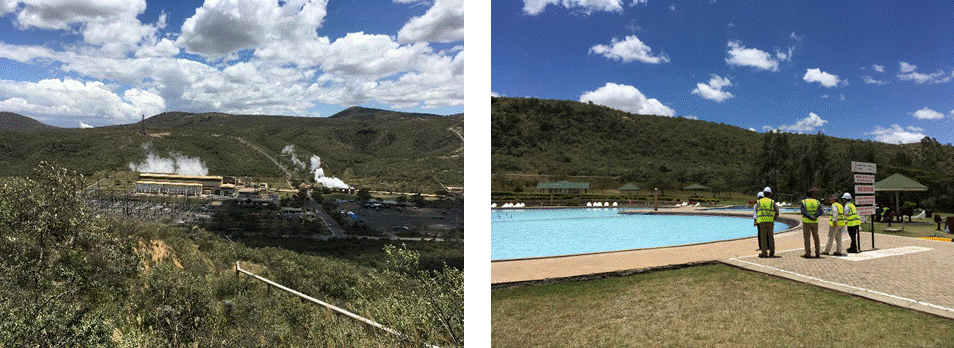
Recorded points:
(534, 140)
(365, 147)
(15, 122)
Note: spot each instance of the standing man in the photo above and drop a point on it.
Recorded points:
(765, 214)
(853, 222)
(836, 225)
(755, 212)
(811, 210)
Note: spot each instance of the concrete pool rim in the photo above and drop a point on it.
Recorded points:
(795, 223)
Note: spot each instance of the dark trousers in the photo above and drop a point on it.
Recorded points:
(855, 235)
(767, 237)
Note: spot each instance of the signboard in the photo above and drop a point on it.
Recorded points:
(864, 179)
(864, 200)
(866, 211)
(864, 189)
(864, 167)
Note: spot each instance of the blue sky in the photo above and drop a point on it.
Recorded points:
(102, 62)
(856, 69)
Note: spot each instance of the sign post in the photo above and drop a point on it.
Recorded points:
(864, 191)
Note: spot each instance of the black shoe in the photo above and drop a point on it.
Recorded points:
(763, 256)
(840, 254)
(806, 256)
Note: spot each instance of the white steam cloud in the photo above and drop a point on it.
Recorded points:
(290, 151)
(331, 182)
(177, 164)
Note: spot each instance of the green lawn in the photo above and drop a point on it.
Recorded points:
(704, 306)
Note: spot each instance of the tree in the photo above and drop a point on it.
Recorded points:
(364, 195)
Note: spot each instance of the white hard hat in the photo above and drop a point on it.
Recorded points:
(846, 196)
(760, 195)
(767, 189)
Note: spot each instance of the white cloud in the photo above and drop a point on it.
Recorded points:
(672, 7)
(752, 129)
(878, 68)
(494, 94)
(53, 97)
(909, 73)
(872, 81)
(895, 134)
(927, 114)
(742, 56)
(84, 125)
(626, 98)
(808, 124)
(62, 14)
(290, 70)
(713, 91)
(221, 27)
(535, 7)
(443, 22)
(825, 79)
(628, 50)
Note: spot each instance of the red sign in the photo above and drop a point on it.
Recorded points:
(864, 189)
(864, 179)
(864, 200)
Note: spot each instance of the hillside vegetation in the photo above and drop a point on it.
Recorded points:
(556, 139)
(70, 279)
(364, 147)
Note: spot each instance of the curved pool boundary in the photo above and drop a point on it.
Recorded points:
(515, 272)
(794, 222)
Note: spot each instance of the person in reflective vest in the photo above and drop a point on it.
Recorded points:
(755, 215)
(811, 210)
(836, 223)
(765, 214)
(853, 223)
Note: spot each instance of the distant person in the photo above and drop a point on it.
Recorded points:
(853, 223)
(765, 214)
(836, 225)
(811, 210)
(884, 213)
(755, 212)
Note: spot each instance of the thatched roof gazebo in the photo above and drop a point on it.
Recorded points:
(898, 183)
(629, 189)
(695, 188)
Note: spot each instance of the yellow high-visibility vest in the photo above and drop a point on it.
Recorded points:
(765, 211)
(852, 212)
(811, 206)
(841, 214)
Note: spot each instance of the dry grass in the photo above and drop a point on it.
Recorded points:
(706, 306)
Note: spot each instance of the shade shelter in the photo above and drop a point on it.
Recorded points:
(898, 183)
(695, 188)
(629, 189)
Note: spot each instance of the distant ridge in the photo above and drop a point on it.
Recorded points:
(15, 122)
(362, 113)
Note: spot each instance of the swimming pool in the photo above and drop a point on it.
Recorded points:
(527, 233)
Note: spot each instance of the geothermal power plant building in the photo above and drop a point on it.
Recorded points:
(173, 184)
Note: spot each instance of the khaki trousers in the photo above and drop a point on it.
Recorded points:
(810, 231)
(767, 237)
(834, 233)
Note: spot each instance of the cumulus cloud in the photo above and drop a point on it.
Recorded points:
(221, 27)
(289, 71)
(742, 56)
(626, 98)
(628, 50)
(443, 22)
(927, 114)
(908, 72)
(805, 125)
(896, 135)
(535, 7)
(54, 97)
(878, 68)
(825, 79)
(713, 90)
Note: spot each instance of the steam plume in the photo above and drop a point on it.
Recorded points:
(177, 164)
(290, 151)
(331, 182)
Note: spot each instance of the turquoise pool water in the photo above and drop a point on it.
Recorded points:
(525, 233)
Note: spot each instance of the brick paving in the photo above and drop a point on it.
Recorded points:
(922, 280)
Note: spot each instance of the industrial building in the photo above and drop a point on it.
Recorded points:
(169, 183)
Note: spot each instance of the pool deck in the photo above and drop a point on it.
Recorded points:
(907, 272)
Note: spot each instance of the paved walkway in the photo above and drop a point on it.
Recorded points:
(906, 272)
